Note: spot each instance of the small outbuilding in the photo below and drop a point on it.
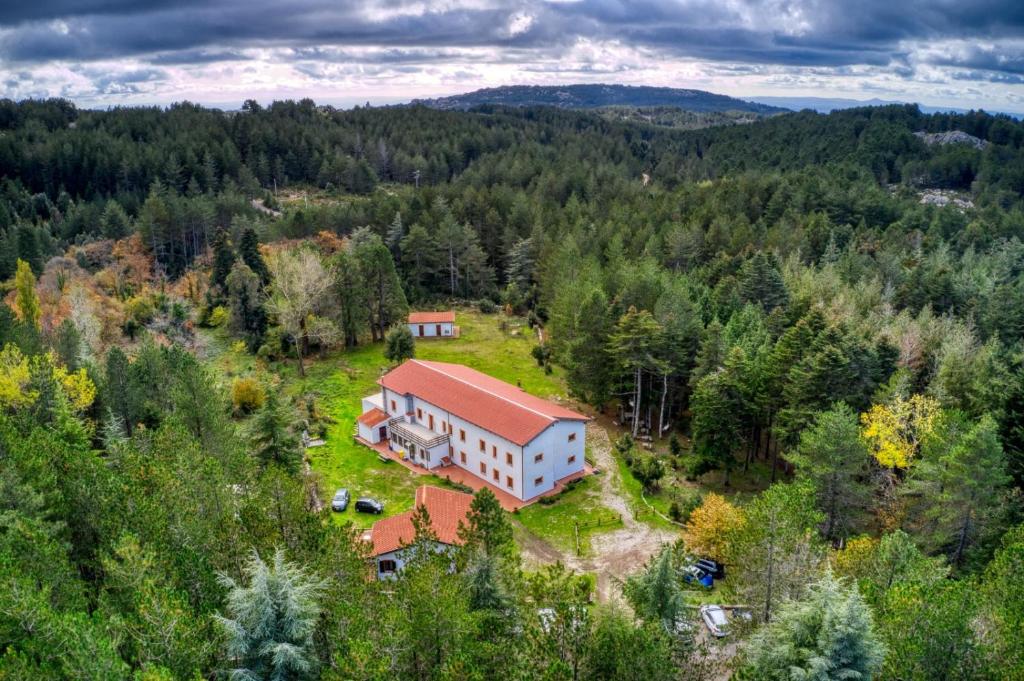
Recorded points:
(432, 324)
(373, 425)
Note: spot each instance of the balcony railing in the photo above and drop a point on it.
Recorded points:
(417, 434)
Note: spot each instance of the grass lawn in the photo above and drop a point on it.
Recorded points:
(555, 522)
(494, 344)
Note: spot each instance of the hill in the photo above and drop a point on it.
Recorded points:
(595, 96)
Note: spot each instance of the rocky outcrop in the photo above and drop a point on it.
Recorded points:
(952, 137)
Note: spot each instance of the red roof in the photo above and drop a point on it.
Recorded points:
(372, 417)
(432, 317)
(494, 405)
(447, 508)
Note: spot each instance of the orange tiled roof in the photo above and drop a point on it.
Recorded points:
(494, 405)
(447, 509)
(372, 417)
(431, 317)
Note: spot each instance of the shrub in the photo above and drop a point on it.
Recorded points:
(487, 306)
(218, 317)
(247, 395)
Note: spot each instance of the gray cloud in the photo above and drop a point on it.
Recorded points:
(401, 37)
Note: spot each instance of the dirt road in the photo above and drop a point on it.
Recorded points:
(615, 554)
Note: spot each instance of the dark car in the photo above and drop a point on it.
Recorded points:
(712, 567)
(368, 505)
(340, 501)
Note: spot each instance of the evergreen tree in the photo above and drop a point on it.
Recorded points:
(271, 620)
(25, 295)
(249, 250)
(587, 358)
(832, 456)
(115, 223)
(245, 300)
(632, 346)
(656, 593)
(223, 261)
(399, 344)
(273, 434)
(828, 634)
(350, 298)
(385, 301)
(760, 282)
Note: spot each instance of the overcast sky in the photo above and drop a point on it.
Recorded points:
(963, 53)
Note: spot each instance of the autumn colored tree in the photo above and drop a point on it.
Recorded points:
(710, 525)
(895, 431)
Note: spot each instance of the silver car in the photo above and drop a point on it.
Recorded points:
(714, 618)
(340, 501)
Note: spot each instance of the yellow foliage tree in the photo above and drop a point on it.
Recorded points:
(25, 294)
(14, 379)
(895, 431)
(710, 524)
(854, 559)
(80, 389)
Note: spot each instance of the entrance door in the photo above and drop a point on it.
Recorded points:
(437, 329)
(421, 331)
(383, 432)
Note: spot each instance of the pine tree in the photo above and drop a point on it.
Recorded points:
(350, 298)
(271, 620)
(385, 301)
(245, 300)
(632, 346)
(488, 527)
(656, 593)
(115, 222)
(829, 634)
(760, 282)
(223, 261)
(249, 250)
(273, 434)
(587, 359)
(832, 455)
(25, 295)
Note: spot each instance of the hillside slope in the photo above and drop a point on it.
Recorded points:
(595, 96)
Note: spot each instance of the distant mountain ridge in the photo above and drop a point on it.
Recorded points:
(830, 104)
(586, 96)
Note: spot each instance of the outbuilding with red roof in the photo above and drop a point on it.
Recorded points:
(433, 324)
(391, 537)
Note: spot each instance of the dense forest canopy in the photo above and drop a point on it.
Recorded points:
(832, 296)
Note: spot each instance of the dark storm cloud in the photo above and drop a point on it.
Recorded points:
(788, 33)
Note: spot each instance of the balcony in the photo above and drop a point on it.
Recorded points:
(423, 438)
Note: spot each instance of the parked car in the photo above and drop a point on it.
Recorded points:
(715, 620)
(692, 573)
(340, 501)
(712, 567)
(368, 505)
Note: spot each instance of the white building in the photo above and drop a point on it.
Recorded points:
(432, 324)
(391, 537)
(439, 414)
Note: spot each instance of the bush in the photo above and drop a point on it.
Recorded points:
(247, 395)
(487, 306)
(218, 317)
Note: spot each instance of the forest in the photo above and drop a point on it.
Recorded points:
(829, 299)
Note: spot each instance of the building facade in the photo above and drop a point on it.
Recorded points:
(441, 414)
(432, 324)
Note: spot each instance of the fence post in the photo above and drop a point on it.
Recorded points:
(576, 526)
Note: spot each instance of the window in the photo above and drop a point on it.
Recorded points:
(444, 428)
(538, 458)
(483, 468)
(450, 429)
(419, 414)
(572, 459)
(483, 446)
(426, 453)
(508, 481)
(495, 475)
(430, 420)
(462, 435)
(451, 450)
(387, 565)
(394, 407)
(572, 437)
(462, 457)
(508, 458)
(538, 481)
(494, 451)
